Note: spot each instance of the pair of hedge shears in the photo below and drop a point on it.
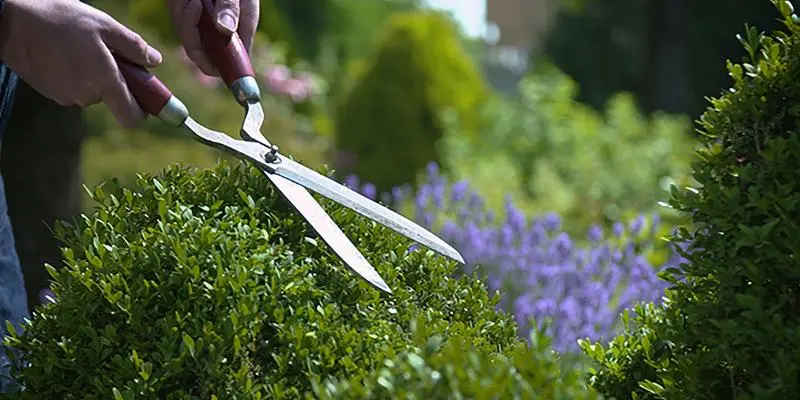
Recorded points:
(292, 179)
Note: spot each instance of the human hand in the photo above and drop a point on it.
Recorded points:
(63, 49)
(240, 16)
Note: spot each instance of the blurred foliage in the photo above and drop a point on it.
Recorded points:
(614, 35)
(555, 154)
(354, 26)
(387, 124)
(308, 21)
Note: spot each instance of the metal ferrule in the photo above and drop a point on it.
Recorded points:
(246, 90)
(174, 112)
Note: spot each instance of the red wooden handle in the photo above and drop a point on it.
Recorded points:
(151, 94)
(227, 53)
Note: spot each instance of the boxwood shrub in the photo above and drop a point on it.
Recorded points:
(456, 370)
(206, 284)
(730, 328)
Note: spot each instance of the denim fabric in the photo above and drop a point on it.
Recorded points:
(13, 299)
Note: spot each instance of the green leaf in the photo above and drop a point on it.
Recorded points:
(651, 387)
(189, 343)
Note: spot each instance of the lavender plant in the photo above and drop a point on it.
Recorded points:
(576, 287)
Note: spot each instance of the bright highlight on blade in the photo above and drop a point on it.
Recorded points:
(302, 200)
(343, 195)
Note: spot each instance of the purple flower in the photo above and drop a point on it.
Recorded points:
(552, 221)
(637, 225)
(543, 273)
(398, 195)
(458, 191)
(433, 169)
(595, 233)
(618, 229)
(656, 223)
(369, 191)
(351, 182)
(438, 195)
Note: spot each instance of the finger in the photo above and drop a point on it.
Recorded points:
(226, 14)
(248, 22)
(190, 35)
(118, 98)
(129, 44)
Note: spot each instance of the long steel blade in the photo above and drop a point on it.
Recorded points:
(316, 216)
(341, 194)
(300, 198)
(254, 117)
(257, 151)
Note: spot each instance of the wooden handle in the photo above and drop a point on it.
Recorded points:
(151, 94)
(226, 53)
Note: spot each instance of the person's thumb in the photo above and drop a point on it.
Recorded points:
(130, 45)
(226, 14)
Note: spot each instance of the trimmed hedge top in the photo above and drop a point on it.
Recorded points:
(208, 285)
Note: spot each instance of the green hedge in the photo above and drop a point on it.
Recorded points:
(455, 370)
(196, 284)
(731, 328)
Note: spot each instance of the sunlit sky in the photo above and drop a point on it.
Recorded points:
(471, 13)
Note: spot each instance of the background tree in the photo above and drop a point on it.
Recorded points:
(664, 51)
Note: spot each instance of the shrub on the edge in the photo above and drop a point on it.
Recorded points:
(207, 285)
(731, 327)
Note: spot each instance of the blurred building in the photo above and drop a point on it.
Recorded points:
(515, 29)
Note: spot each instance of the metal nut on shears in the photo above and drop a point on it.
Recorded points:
(272, 156)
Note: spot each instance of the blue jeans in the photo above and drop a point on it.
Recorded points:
(13, 299)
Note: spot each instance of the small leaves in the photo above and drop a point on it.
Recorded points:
(729, 325)
(785, 7)
(187, 278)
(188, 342)
(652, 387)
(457, 370)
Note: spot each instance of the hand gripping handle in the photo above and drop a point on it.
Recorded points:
(152, 95)
(229, 57)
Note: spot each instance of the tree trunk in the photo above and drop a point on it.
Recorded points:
(40, 163)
